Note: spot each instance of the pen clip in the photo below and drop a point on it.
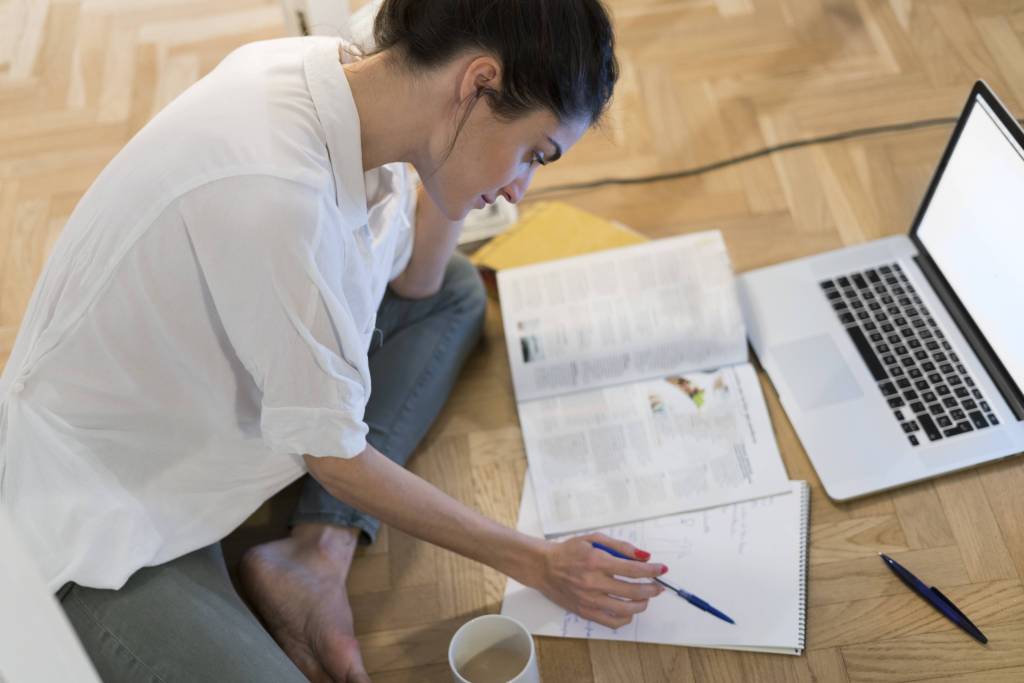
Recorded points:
(949, 603)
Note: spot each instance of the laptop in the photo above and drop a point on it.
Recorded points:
(902, 359)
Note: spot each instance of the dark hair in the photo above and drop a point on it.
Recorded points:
(554, 54)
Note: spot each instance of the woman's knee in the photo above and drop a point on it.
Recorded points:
(465, 289)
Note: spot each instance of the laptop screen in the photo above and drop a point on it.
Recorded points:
(973, 230)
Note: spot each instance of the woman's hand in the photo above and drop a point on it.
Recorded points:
(583, 579)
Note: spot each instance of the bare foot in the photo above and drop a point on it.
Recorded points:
(297, 586)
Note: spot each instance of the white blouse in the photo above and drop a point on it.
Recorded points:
(203, 321)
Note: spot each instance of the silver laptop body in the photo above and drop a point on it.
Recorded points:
(902, 359)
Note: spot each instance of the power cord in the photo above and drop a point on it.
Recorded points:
(698, 170)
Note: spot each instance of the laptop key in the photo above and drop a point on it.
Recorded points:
(846, 318)
(917, 407)
(978, 419)
(937, 409)
(961, 392)
(827, 284)
(957, 414)
(859, 281)
(992, 420)
(928, 397)
(887, 388)
(984, 406)
(903, 383)
(944, 422)
(910, 395)
(929, 427)
(942, 390)
(969, 404)
(877, 371)
(899, 415)
(961, 428)
(949, 402)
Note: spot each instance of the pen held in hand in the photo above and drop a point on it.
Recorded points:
(689, 597)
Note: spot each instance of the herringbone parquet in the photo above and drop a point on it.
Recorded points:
(701, 80)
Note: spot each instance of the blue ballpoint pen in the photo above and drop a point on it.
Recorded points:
(689, 597)
(935, 598)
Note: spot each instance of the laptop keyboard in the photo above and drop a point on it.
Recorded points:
(928, 389)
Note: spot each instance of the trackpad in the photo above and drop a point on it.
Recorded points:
(816, 372)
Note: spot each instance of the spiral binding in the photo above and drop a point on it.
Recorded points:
(805, 516)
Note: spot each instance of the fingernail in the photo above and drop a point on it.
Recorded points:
(642, 555)
(664, 569)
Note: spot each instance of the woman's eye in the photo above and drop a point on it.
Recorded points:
(537, 158)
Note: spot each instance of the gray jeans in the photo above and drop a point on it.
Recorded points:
(182, 621)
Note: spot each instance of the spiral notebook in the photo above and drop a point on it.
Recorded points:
(748, 559)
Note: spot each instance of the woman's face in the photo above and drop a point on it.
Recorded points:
(492, 157)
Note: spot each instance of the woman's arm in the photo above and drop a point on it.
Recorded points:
(434, 241)
(573, 574)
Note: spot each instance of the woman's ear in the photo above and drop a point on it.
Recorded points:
(483, 74)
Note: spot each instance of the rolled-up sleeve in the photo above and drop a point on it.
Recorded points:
(256, 240)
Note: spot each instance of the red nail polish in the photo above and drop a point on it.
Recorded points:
(664, 569)
(642, 555)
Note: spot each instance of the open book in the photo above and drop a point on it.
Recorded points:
(748, 559)
(634, 394)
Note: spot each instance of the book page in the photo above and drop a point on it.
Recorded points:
(651, 448)
(37, 643)
(621, 315)
(746, 559)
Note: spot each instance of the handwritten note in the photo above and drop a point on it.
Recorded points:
(747, 559)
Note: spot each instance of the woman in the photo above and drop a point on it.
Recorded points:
(209, 324)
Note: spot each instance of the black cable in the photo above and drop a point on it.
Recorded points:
(686, 173)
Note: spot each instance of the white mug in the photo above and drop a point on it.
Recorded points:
(497, 644)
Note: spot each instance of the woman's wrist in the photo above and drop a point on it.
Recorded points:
(527, 558)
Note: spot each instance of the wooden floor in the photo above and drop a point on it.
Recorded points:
(701, 80)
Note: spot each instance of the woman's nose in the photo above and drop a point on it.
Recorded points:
(515, 190)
